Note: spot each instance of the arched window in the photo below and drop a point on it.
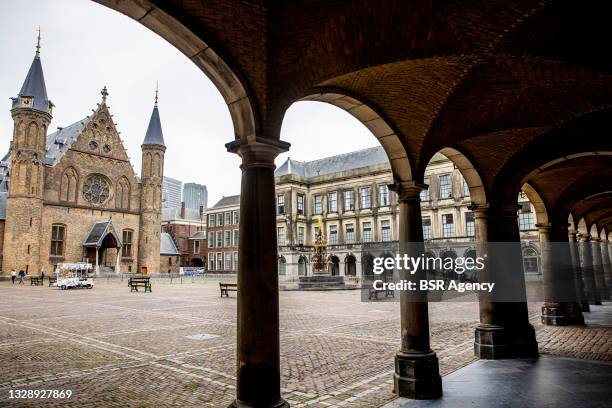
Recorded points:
(282, 266)
(122, 195)
(531, 260)
(68, 188)
(350, 266)
(334, 265)
(302, 266)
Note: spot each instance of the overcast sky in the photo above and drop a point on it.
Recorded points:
(86, 46)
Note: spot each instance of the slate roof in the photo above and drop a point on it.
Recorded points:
(334, 164)
(98, 232)
(3, 196)
(166, 245)
(228, 201)
(34, 86)
(154, 134)
(198, 235)
(60, 141)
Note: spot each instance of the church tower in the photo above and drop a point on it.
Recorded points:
(152, 173)
(31, 112)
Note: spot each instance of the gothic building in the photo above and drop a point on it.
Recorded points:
(72, 195)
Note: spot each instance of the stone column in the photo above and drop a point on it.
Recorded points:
(504, 330)
(416, 365)
(118, 264)
(258, 360)
(607, 266)
(590, 288)
(560, 307)
(579, 283)
(97, 263)
(598, 270)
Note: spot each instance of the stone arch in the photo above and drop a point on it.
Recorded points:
(123, 193)
(31, 135)
(469, 173)
(147, 166)
(594, 231)
(583, 229)
(535, 198)
(69, 185)
(282, 265)
(226, 78)
(389, 138)
(350, 265)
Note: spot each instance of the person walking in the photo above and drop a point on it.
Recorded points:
(22, 277)
(13, 276)
(42, 273)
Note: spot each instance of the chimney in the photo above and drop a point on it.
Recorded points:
(201, 212)
(182, 209)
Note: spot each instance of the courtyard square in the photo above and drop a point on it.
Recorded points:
(176, 345)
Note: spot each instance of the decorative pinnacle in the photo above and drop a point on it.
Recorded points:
(104, 94)
(38, 42)
(156, 91)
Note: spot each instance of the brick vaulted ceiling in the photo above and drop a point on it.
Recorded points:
(512, 85)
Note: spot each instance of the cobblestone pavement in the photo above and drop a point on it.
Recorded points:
(176, 346)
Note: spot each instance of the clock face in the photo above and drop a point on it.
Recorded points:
(93, 145)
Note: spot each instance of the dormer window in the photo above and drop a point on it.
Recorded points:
(26, 101)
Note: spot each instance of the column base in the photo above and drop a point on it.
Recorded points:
(585, 307)
(237, 404)
(562, 314)
(417, 376)
(496, 342)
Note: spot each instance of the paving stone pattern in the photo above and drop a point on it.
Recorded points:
(114, 348)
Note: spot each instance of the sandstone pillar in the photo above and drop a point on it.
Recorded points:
(598, 270)
(560, 307)
(580, 295)
(258, 360)
(416, 366)
(504, 330)
(586, 254)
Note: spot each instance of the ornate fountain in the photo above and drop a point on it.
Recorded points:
(321, 277)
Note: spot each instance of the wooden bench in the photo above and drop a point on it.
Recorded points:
(52, 280)
(227, 287)
(373, 293)
(36, 281)
(136, 281)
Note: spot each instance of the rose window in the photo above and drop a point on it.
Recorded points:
(96, 189)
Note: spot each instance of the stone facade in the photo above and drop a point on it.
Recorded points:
(350, 194)
(60, 184)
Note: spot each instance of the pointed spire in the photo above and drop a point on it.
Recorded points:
(33, 93)
(154, 134)
(104, 93)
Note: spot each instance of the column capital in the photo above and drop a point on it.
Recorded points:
(572, 236)
(480, 210)
(585, 238)
(257, 151)
(596, 239)
(408, 190)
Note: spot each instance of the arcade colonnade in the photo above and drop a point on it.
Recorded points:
(505, 89)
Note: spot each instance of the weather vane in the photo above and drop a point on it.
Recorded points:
(156, 91)
(38, 42)
(104, 94)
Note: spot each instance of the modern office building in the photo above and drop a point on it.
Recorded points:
(195, 196)
(171, 193)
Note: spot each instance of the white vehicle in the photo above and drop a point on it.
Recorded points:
(71, 276)
(75, 282)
